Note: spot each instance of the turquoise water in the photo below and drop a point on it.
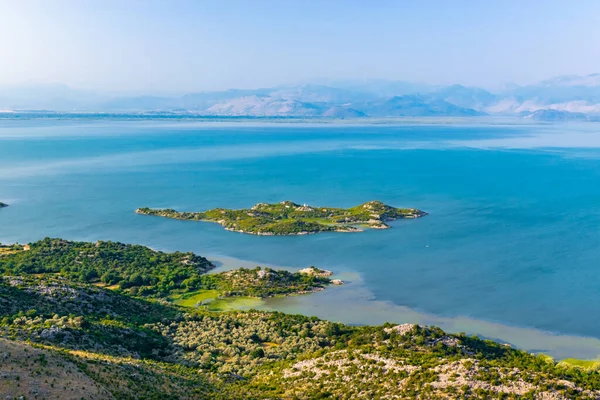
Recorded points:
(511, 238)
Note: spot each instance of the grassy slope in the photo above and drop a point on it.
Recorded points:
(52, 372)
(28, 371)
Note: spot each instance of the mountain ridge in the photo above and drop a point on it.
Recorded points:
(341, 99)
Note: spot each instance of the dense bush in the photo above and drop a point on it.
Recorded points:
(145, 348)
(110, 263)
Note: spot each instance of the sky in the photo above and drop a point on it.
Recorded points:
(173, 46)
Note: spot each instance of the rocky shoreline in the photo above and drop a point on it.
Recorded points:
(323, 273)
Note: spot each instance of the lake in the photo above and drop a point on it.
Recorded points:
(510, 249)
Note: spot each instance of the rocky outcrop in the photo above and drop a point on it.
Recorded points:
(316, 272)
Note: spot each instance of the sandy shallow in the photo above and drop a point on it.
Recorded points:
(354, 304)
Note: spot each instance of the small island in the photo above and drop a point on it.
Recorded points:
(289, 218)
(2, 205)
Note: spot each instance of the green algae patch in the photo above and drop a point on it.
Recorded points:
(213, 300)
(233, 303)
(587, 364)
(195, 299)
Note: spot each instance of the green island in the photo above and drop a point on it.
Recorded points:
(288, 218)
(2, 205)
(72, 326)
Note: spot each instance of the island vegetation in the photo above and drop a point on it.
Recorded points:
(267, 282)
(2, 205)
(288, 218)
(63, 337)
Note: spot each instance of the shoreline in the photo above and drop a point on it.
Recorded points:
(354, 304)
(232, 120)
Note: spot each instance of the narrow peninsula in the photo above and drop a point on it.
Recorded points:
(289, 218)
(141, 271)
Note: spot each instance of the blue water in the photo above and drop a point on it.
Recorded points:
(512, 234)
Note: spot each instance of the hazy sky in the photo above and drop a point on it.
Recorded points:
(153, 46)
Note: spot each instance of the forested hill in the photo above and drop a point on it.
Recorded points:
(111, 263)
(141, 271)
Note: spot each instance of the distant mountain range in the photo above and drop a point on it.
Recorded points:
(557, 115)
(564, 98)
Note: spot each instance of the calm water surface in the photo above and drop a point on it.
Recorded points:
(511, 248)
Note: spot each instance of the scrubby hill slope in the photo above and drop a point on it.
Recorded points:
(65, 339)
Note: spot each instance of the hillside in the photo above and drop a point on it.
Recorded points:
(264, 107)
(62, 378)
(343, 112)
(134, 268)
(86, 342)
(556, 115)
(60, 338)
(415, 106)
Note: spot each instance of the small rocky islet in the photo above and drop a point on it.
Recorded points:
(289, 218)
